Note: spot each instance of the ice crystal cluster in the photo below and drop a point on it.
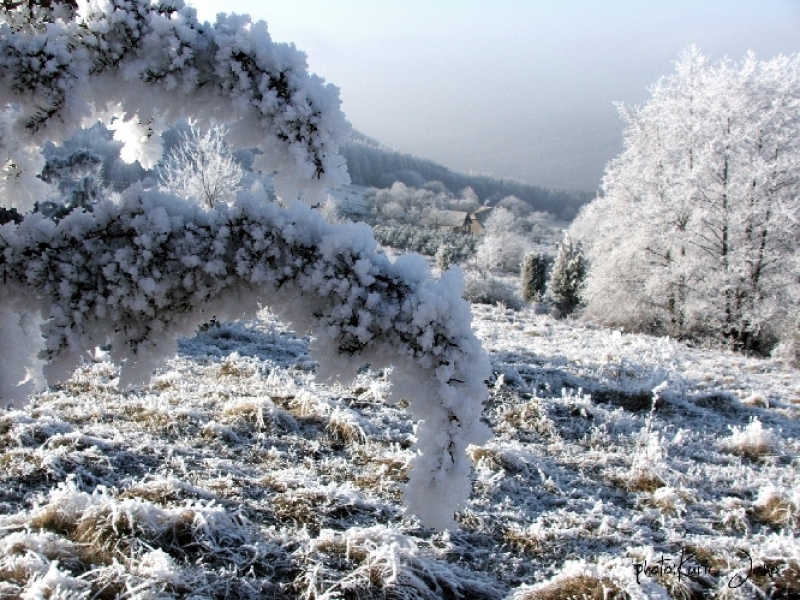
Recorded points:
(141, 270)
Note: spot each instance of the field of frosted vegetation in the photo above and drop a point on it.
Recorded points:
(622, 466)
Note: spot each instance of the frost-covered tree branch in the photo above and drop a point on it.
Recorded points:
(140, 66)
(143, 272)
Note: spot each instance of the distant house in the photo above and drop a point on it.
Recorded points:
(477, 220)
(458, 221)
(450, 220)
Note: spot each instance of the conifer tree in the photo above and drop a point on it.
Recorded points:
(444, 257)
(533, 278)
(566, 280)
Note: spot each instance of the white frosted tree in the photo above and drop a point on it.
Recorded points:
(695, 234)
(503, 245)
(144, 269)
(202, 166)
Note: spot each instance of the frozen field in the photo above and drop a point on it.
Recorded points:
(622, 466)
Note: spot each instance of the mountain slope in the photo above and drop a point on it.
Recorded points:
(371, 164)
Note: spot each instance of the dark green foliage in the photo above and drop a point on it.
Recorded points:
(533, 278)
(566, 279)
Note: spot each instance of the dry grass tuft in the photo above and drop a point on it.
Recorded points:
(300, 507)
(160, 492)
(524, 541)
(383, 475)
(344, 428)
(640, 479)
(777, 578)
(575, 587)
(496, 460)
(531, 418)
(247, 412)
(774, 507)
(383, 563)
(153, 419)
(668, 500)
(108, 531)
(644, 480)
(752, 442)
(230, 368)
(303, 406)
(164, 382)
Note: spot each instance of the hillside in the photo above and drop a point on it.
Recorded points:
(622, 465)
(371, 164)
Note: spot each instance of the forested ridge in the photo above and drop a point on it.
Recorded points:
(371, 164)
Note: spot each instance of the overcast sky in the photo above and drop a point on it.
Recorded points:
(510, 88)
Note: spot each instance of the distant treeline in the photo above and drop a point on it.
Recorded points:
(373, 165)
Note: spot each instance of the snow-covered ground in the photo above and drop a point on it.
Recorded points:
(622, 466)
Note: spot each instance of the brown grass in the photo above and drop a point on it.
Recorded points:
(579, 587)
(777, 579)
(774, 509)
(150, 419)
(344, 430)
(230, 369)
(640, 480)
(529, 417)
(492, 458)
(382, 475)
(523, 541)
(105, 535)
(300, 507)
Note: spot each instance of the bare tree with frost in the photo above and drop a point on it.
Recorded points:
(503, 245)
(141, 271)
(202, 166)
(696, 233)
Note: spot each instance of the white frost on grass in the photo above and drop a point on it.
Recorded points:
(554, 485)
(752, 441)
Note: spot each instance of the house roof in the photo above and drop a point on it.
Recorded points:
(449, 218)
(482, 214)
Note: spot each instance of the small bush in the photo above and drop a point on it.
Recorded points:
(480, 289)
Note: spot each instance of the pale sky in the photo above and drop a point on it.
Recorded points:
(510, 88)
